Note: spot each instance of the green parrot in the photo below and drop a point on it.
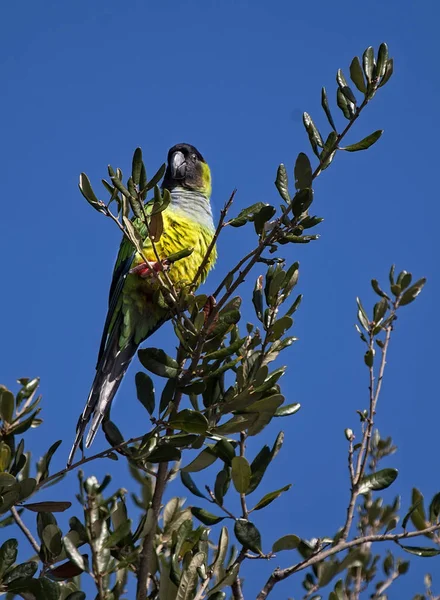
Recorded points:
(133, 315)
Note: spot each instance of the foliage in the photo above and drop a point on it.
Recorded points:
(221, 388)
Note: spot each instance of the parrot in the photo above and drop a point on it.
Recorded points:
(133, 312)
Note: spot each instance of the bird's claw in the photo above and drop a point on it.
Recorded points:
(145, 270)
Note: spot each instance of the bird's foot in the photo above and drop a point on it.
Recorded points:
(145, 270)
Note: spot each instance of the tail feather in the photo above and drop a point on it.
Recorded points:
(110, 372)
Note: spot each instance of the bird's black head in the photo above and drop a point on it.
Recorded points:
(187, 168)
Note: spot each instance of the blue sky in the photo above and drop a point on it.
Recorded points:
(84, 83)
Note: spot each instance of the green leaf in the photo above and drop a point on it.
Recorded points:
(88, 193)
(137, 166)
(202, 461)
(268, 498)
(164, 453)
(27, 569)
(368, 63)
(205, 517)
(158, 362)
(48, 506)
(118, 535)
(246, 215)
(313, 133)
(288, 409)
(382, 60)
(303, 172)
(279, 328)
(388, 72)
(145, 391)
(241, 474)
(377, 289)
(167, 394)
(8, 555)
(52, 539)
(301, 202)
(221, 484)
(326, 107)
(282, 183)
(343, 104)
(189, 578)
(112, 433)
(377, 481)
(220, 555)
(156, 177)
(345, 89)
(188, 482)
(7, 405)
(365, 143)
(73, 553)
(434, 508)
(190, 421)
(227, 580)
(369, 357)
(412, 292)
(419, 551)
(357, 75)
(262, 217)
(237, 424)
(248, 535)
(5, 456)
(287, 542)
(76, 596)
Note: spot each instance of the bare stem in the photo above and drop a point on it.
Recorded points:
(33, 542)
(211, 246)
(146, 557)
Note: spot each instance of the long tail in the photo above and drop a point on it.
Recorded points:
(109, 374)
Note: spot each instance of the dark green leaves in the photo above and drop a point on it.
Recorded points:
(88, 193)
(418, 551)
(377, 481)
(158, 362)
(248, 535)
(48, 506)
(326, 107)
(241, 474)
(188, 482)
(411, 293)
(357, 75)
(205, 517)
(365, 143)
(145, 391)
(303, 172)
(313, 133)
(247, 214)
(282, 183)
(287, 542)
(268, 498)
(190, 421)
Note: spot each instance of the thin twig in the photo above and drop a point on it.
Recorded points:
(146, 557)
(243, 496)
(385, 585)
(236, 589)
(217, 503)
(281, 574)
(211, 246)
(33, 542)
(202, 589)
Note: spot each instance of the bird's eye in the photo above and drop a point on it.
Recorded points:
(193, 156)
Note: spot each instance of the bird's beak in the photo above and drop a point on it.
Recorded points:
(178, 165)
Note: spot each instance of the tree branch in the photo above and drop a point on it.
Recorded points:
(33, 542)
(281, 574)
(145, 559)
